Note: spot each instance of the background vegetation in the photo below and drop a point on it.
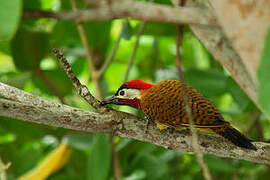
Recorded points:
(26, 62)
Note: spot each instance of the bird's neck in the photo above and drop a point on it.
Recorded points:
(143, 93)
(136, 103)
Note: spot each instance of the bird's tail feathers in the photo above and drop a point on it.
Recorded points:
(235, 137)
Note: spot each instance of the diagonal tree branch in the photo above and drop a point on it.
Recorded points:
(134, 9)
(82, 34)
(89, 54)
(109, 59)
(134, 50)
(82, 89)
(39, 110)
(220, 47)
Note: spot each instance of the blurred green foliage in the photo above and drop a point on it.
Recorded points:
(264, 76)
(26, 144)
(10, 13)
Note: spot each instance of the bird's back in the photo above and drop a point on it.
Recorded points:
(164, 103)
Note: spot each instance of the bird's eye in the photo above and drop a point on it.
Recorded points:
(122, 93)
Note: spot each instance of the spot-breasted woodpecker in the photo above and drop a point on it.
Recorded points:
(164, 104)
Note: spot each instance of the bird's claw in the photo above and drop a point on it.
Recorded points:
(146, 125)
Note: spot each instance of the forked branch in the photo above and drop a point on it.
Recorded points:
(25, 106)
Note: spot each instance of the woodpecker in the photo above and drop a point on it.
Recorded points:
(164, 104)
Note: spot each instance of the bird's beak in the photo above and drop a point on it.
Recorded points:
(110, 100)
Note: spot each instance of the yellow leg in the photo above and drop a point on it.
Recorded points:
(206, 130)
(161, 126)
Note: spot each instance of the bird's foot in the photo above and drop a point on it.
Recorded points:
(161, 126)
(146, 125)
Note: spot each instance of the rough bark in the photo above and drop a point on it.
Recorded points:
(25, 106)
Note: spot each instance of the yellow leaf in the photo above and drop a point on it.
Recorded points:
(53, 162)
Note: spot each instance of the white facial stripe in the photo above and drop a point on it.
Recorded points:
(130, 94)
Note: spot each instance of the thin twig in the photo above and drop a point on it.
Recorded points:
(252, 121)
(195, 144)
(81, 89)
(259, 129)
(82, 33)
(132, 57)
(134, 50)
(111, 56)
(89, 54)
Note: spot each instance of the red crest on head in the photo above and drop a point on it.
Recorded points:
(138, 84)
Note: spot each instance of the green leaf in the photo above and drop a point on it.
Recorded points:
(99, 162)
(66, 5)
(5, 47)
(65, 34)
(7, 138)
(264, 77)
(55, 76)
(78, 66)
(24, 132)
(153, 166)
(31, 4)
(126, 30)
(238, 94)
(28, 48)
(15, 79)
(193, 52)
(10, 12)
(210, 83)
(158, 29)
(81, 142)
(98, 35)
(168, 2)
(136, 175)
(217, 164)
(27, 158)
